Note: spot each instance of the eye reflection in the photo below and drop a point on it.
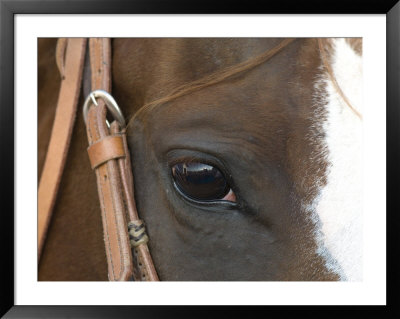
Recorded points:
(202, 182)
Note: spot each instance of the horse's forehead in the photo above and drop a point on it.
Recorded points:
(158, 66)
(268, 103)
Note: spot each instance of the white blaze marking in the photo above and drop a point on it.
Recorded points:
(339, 204)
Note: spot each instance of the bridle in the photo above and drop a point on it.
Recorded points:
(128, 256)
(125, 238)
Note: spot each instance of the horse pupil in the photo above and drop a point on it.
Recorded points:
(200, 181)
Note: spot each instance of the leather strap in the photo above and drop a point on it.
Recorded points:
(119, 257)
(144, 269)
(106, 149)
(109, 157)
(70, 58)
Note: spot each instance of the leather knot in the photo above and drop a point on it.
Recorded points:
(137, 233)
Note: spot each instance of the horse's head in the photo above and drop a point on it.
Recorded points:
(244, 168)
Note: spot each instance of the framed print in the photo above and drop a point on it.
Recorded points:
(207, 152)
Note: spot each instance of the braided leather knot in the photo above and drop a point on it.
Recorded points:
(137, 233)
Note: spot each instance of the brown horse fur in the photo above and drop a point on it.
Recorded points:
(263, 126)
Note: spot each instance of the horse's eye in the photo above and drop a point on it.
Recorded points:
(201, 182)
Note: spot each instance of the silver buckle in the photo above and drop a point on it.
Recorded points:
(111, 104)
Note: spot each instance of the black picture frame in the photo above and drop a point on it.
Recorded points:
(8, 10)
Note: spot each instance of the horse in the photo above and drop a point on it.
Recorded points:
(246, 157)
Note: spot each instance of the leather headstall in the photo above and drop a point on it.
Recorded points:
(125, 239)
